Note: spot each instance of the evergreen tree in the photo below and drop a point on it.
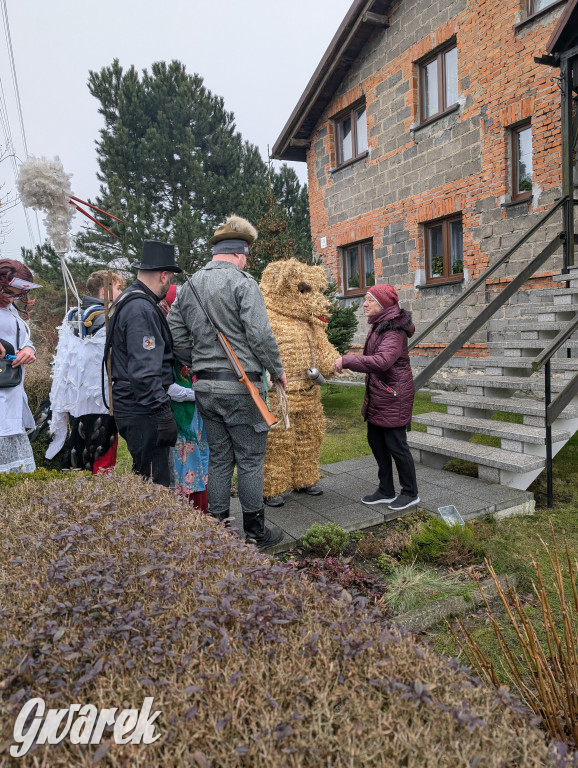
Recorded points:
(342, 323)
(173, 166)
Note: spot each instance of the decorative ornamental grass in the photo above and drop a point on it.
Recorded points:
(112, 590)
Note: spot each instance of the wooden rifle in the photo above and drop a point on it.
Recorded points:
(235, 364)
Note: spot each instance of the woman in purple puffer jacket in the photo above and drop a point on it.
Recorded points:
(389, 394)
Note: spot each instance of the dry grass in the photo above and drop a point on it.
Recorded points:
(543, 662)
(112, 590)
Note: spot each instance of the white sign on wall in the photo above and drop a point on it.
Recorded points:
(324, 242)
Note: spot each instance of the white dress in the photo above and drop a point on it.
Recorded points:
(76, 382)
(15, 415)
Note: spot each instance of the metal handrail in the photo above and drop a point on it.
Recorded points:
(557, 342)
(556, 407)
(489, 271)
(487, 312)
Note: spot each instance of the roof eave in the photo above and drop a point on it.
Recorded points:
(353, 32)
(565, 30)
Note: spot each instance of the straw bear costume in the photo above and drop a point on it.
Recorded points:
(295, 301)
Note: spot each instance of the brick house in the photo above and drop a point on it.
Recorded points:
(432, 140)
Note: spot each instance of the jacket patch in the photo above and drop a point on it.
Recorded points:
(148, 342)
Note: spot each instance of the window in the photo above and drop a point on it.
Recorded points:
(444, 250)
(351, 133)
(521, 161)
(538, 5)
(439, 83)
(358, 270)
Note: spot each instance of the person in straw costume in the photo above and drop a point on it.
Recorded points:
(297, 307)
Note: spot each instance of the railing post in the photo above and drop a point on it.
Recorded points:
(547, 399)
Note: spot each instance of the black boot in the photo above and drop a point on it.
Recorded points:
(256, 532)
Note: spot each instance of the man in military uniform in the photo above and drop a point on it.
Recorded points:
(142, 364)
(236, 432)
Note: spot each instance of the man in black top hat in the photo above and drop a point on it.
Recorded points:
(142, 363)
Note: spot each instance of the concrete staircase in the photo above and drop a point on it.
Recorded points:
(505, 383)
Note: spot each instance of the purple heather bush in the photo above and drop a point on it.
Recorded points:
(113, 590)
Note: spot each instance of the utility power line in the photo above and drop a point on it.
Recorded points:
(6, 122)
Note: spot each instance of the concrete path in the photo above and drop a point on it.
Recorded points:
(346, 482)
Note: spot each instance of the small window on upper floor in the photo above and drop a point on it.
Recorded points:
(522, 161)
(358, 268)
(351, 134)
(438, 83)
(444, 250)
(538, 5)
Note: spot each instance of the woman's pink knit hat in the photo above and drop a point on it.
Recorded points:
(385, 295)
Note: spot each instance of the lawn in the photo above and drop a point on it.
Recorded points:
(346, 431)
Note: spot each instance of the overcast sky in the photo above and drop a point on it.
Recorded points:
(257, 54)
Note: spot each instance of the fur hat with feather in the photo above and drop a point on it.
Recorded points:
(235, 228)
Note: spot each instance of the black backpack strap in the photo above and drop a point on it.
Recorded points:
(114, 312)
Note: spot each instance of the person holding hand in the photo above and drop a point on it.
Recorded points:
(389, 394)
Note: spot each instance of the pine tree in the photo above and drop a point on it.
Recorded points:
(173, 166)
(342, 323)
(284, 230)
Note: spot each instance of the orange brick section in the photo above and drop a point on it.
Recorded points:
(499, 86)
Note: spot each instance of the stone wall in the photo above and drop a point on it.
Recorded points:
(459, 163)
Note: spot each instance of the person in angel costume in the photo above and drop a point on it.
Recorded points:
(75, 396)
(15, 416)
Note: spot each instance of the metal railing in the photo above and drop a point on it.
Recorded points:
(552, 409)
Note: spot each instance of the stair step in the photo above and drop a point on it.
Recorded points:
(502, 429)
(529, 325)
(481, 454)
(536, 308)
(533, 383)
(549, 292)
(528, 344)
(522, 405)
(571, 275)
(507, 361)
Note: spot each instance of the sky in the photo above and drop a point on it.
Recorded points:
(257, 54)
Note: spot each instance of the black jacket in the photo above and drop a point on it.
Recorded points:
(141, 353)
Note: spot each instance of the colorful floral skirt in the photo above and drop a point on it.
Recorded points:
(191, 460)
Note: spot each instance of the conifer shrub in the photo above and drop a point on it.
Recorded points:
(113, 590)
(326, 539)
(442, 544)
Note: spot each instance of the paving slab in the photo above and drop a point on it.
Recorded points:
(344, 483)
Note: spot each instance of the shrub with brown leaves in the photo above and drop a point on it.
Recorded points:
(394, 541)
(370, 547)
(112, 590)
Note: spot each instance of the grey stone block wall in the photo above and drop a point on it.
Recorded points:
(408, 162)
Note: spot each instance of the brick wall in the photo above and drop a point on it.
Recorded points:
(458, 163)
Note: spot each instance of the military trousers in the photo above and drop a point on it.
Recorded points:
(237, 436)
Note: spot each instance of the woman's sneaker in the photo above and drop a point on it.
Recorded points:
(404, 501)
(377, 498)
